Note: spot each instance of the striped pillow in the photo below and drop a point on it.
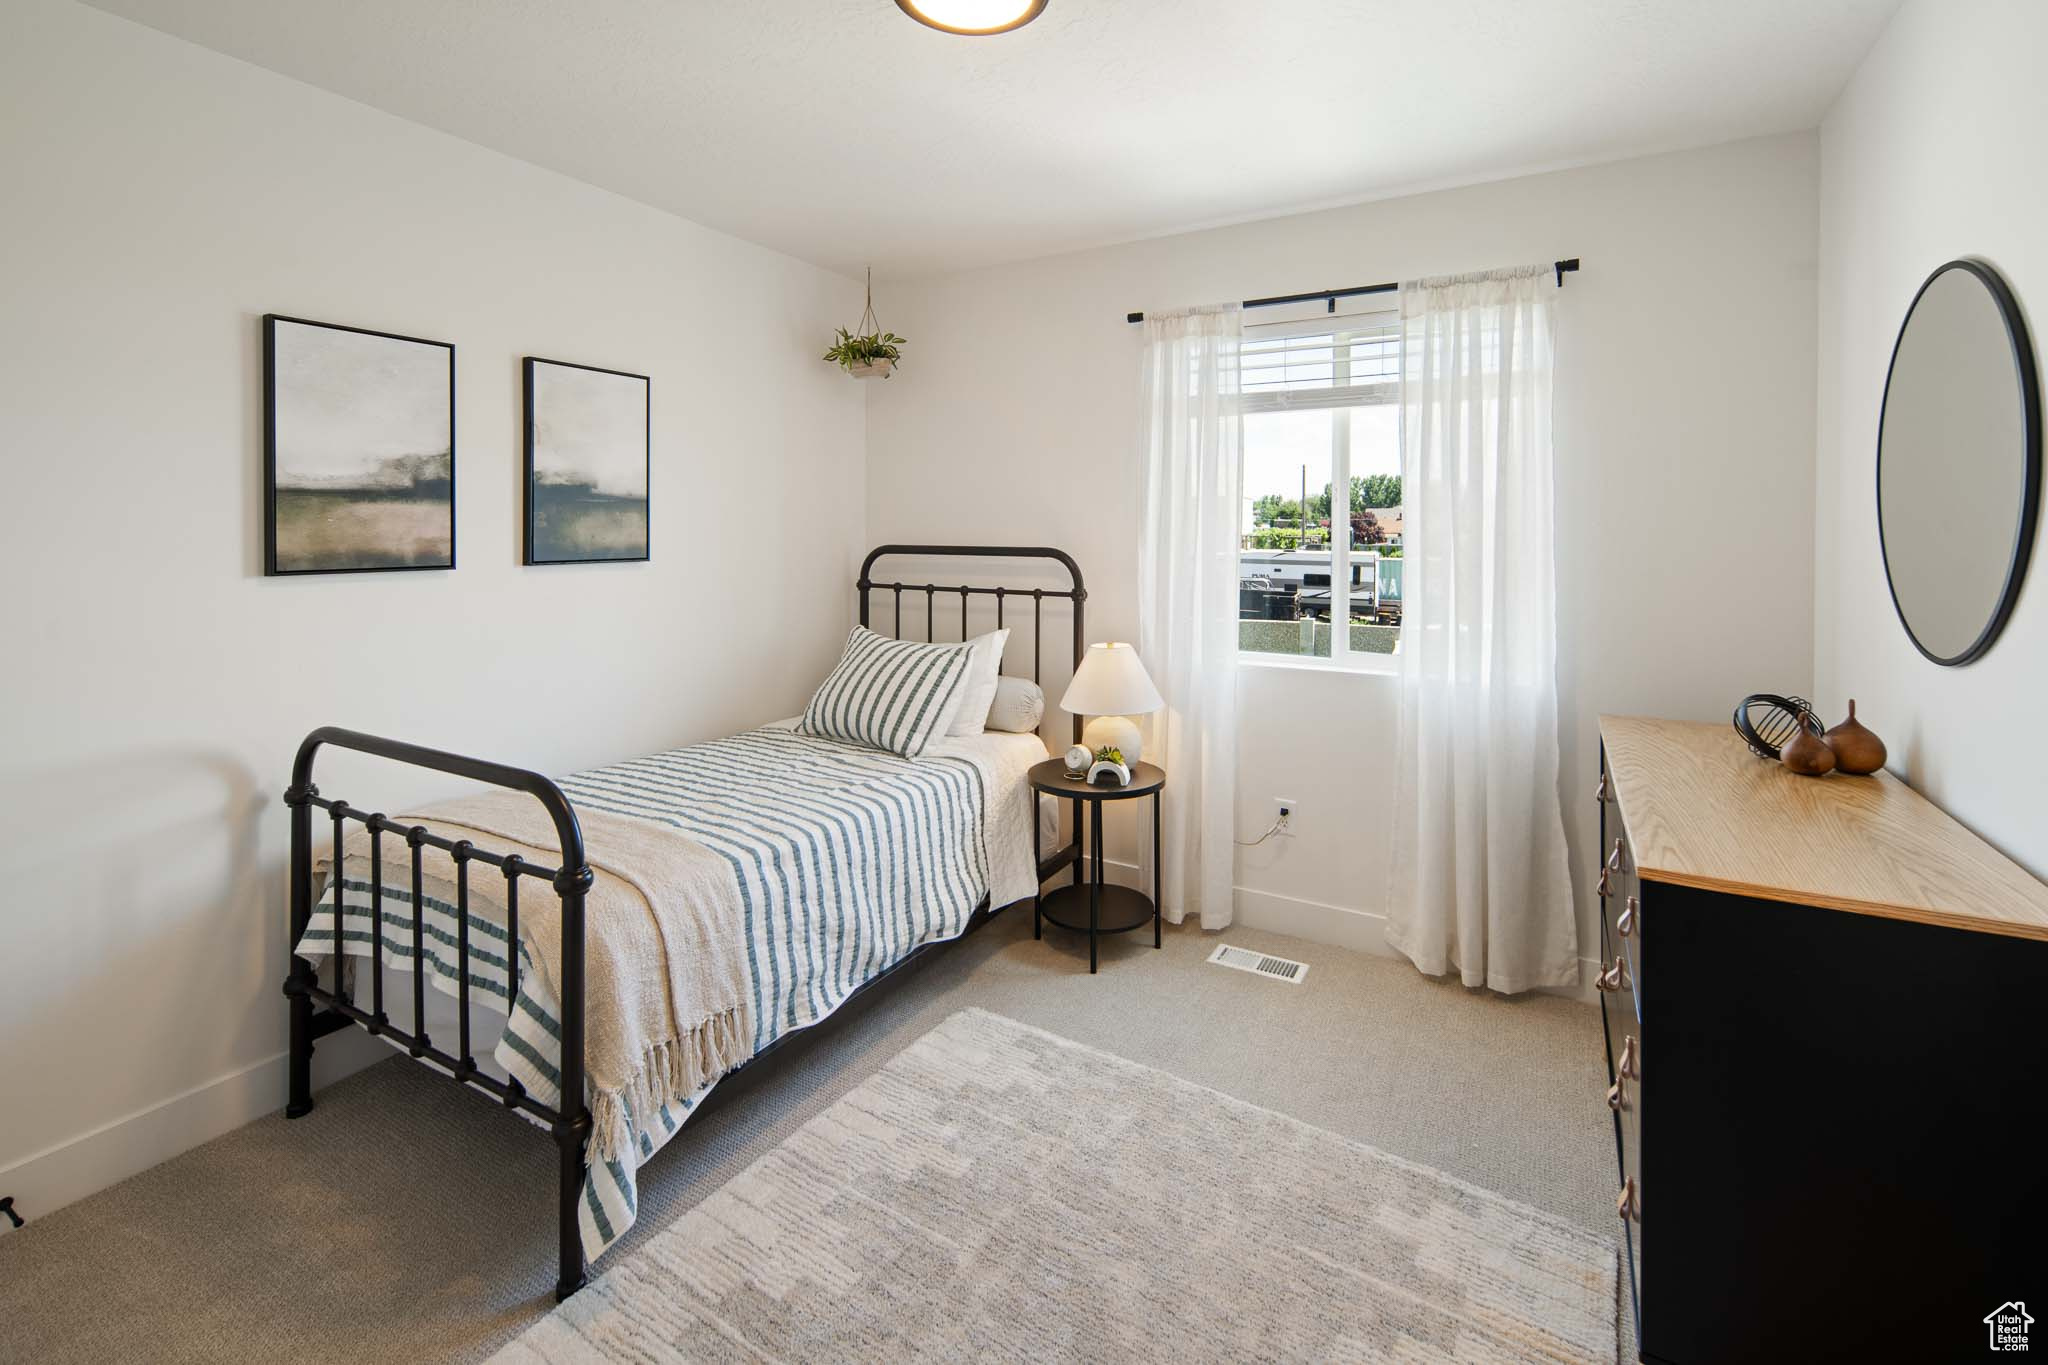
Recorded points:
(889, 694)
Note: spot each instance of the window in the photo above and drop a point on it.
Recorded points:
(1319, 573)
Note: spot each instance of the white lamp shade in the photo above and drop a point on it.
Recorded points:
(1111, 682)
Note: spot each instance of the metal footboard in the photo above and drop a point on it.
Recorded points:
(318, 1010)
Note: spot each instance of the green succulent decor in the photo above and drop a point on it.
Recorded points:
(1109, 753)
(870, 351)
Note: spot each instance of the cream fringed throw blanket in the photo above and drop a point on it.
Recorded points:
(667, 1003)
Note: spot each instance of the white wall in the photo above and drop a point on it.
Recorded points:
(1684, 428)
(158, 199)
(1935, 150)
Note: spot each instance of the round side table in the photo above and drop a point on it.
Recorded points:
(1093, 907)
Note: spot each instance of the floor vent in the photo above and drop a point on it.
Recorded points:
(1261, 964)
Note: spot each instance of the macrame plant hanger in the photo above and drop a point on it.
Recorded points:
(869, 323)
(871, 326)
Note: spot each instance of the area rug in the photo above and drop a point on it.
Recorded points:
(1000, 1193)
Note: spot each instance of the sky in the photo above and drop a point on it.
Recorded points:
(590, 427)
(348, 401)
(1278, 444)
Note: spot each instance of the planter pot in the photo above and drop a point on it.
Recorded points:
(880, 369)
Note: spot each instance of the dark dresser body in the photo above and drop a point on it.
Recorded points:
(1826, 1008)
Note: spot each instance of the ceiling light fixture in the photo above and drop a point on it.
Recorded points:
(973, 18)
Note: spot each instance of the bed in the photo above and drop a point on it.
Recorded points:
(694, 908)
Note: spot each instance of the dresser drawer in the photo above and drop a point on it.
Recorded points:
(1622, 1011)
(1620, 892)
(1625, 1101)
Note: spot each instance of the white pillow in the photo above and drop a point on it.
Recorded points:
(889, 694)
(1018, 706)
(978, 688)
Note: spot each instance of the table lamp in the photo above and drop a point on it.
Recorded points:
(1112, 686)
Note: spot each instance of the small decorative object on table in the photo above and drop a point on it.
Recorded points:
(1110, 769)
(1766, 720)
(1079, 759)
(1806, 753)
(1858, 750)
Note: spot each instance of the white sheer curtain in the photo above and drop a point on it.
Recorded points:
(1479, 882)
(1187, 598)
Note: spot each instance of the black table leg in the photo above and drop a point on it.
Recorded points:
(1094, 880)
(1037, 880)
(1079, 820)
(1155, 869)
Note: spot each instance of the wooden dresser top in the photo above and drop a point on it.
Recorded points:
(1703, 811)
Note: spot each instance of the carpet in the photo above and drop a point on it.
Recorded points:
(997, 1191)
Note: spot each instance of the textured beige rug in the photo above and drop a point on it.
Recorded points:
(998, 1192)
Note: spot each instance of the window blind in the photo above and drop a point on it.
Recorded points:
(1339, 362)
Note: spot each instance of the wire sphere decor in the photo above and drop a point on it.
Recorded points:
(1766, 721)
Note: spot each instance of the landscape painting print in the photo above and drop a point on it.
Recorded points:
(586, 463)
(359, 449)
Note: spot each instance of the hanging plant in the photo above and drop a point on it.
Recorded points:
(870, 353)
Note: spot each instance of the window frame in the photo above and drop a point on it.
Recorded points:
(1312, 319)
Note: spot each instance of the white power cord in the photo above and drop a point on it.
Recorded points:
(1271, 830)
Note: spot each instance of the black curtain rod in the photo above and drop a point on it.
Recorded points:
(1563, 268)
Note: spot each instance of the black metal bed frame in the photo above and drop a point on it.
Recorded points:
(317, 1010)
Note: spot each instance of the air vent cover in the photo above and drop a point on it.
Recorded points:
(1260, 964)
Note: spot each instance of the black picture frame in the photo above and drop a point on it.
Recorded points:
(2028, 378)
(273, 565)
(533, 552)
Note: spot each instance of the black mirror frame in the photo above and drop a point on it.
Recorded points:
(2030, 456)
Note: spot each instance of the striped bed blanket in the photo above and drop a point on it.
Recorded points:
(847, 859)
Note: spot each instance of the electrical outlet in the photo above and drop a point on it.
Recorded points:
(1285, 809)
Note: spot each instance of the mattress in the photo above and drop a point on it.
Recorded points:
(985, 773)
(1009, 758)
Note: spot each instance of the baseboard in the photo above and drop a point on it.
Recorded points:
(46, 1181)
(1362, 931)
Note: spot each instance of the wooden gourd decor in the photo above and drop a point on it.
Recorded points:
(1806, 753)
(1857, 748)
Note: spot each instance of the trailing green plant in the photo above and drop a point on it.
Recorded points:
(870, 344)
(850, 350)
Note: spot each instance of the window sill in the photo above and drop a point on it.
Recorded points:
(1380, 665)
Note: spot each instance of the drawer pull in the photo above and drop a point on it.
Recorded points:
(1610, 980)
(1625, 924)
(1629, 1067)
(1605, 888)
(1616, 1097)
(1614, 858)
(1628, 1204)
(1600, 792)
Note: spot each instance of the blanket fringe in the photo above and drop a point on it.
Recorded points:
(669, 1071)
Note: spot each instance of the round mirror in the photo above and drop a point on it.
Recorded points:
(1958, 462)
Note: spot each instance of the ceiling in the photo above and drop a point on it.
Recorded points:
(841, 132)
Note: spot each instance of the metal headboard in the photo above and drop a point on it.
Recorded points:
(1077, 594)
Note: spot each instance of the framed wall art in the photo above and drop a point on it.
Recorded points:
(588, 433)
(358, 449)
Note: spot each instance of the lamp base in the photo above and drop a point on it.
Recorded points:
(1116, 732)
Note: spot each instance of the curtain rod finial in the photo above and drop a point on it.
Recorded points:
(1564, 267)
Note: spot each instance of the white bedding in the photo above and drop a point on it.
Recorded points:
(1007, 757)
